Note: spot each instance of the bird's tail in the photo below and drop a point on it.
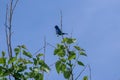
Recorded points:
(65, 33)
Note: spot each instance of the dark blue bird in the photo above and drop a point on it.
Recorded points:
(58, 31)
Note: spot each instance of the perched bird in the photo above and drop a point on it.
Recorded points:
(58, 31)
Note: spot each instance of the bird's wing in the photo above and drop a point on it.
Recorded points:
(58, 30)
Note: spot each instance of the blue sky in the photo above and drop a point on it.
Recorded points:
(94, 23)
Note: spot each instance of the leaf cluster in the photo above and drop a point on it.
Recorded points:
(68, 57)
(21, 68)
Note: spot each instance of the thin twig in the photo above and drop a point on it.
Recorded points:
(6, 26)
(44, 48)
(90, 71)
(44, 52)
(51, 45)
(14, 6)
(38, 51)
(81, 72)
(52, 64)
(61, 19)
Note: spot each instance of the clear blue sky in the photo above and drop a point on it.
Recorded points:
(94, 23)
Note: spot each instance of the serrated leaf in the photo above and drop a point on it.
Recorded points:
(28, 54)
(80, 63)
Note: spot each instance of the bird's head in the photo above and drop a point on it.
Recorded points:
(56, 26)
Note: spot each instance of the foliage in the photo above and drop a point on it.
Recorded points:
(68, 57)
(22, 68)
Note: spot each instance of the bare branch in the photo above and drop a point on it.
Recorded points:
(15, 5)
(61, 19)
(51, 45)
(81, 72)
(89, 72)
(8, 24)
(38, 51)
(6, 27)
(44, 48)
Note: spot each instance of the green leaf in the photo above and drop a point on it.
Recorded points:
(70, 65)
(64, 40)
(28, 62)
(11, 60)
(77, 47)
(85, 78)
(28, 54)
(2, 60)
(72, 55)
(17, 75)
(39, 76)
(21, 67)
(58, 66)
(3, 53)
(24, 61)
(6, 73)
(41, 62)
(44, 66)
(63, 67)
(3, 78)
(24, 47)
(2, 70)
(67, 74)
(39, 55)
(59, 52)
(83, 53)
(35, 61)
(17, 51)
(80, 63)
(36, 69)
(63, 60)
(68, 40)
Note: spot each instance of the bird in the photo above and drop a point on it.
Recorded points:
(58, 31)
